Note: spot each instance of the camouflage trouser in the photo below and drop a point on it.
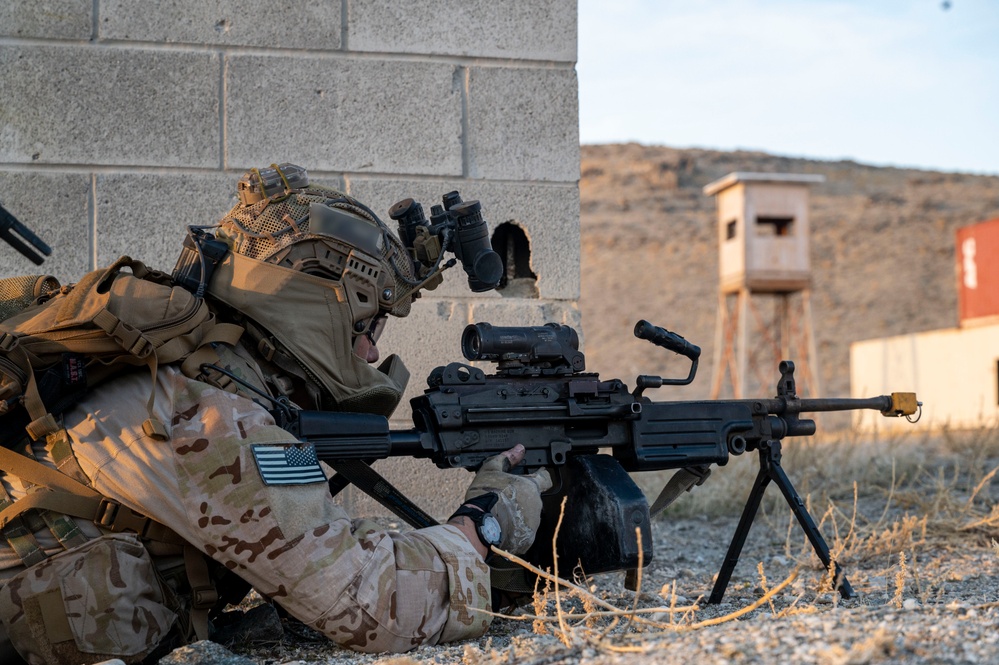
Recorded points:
(94, 602)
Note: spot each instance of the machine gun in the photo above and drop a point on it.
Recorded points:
(540, 397)
(21, 238)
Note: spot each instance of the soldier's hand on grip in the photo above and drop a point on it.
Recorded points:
(518, 509)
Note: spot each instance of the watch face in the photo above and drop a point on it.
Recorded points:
(490, 530)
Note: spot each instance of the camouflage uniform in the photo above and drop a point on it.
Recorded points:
(365, 588)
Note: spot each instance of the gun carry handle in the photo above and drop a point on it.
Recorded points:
(667, 340)
(671, 342)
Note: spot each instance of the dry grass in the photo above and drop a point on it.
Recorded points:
(882, 499)
(945, 478)
(579, 629)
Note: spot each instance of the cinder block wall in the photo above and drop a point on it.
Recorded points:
(123, 121)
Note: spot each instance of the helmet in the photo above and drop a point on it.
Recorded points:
(308, 270)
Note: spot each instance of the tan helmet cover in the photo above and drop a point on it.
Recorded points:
(310, 317)
(314, 267)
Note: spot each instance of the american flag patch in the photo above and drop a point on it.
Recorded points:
(288, 464)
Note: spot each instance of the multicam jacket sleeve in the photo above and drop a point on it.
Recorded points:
(365, 588)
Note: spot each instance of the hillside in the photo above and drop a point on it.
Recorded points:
(882, 253)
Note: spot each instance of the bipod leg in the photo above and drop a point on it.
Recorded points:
(739, 538)
(804, 519)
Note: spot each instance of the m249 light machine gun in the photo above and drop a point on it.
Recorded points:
(541, 397)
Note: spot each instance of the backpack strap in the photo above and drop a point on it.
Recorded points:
(205, 354)
(65, 495)
(19, 536)
(88, 303)
(204, 595)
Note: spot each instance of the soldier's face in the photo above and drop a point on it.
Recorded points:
(365, 344)
(365, 348)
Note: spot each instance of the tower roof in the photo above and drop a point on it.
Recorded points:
(747, 176)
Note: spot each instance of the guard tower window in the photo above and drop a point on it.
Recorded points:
(514, 249)
(774, 226)
(730, 228)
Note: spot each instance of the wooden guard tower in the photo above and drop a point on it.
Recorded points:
(763, 245)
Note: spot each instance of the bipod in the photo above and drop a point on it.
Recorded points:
(770, 470)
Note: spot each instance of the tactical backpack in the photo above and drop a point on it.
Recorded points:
(56, 343)
(73, 338)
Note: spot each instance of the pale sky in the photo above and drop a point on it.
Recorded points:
(885, 82)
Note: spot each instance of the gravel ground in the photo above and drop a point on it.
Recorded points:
(945, 611)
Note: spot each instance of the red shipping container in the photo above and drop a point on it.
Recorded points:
(978, 272)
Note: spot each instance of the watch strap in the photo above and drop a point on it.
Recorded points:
(485, 502)
(476, 510)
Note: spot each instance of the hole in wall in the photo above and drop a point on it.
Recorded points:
(514, 248)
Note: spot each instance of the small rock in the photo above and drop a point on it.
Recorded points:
(204, 652)
(910, 604)
(258, 625)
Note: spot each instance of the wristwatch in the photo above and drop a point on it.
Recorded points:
(486, 525)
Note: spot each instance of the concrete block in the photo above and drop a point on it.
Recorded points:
(53, 19)
(523, 124)
(498, 29)
(526, 313)
(56, 207)
(547, 212)
(291, 24)
(429, 337)
(146, 215)
(549, 215)
(344, 114)
(109, 106)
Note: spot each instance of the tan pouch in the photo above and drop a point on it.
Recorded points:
(94, 602)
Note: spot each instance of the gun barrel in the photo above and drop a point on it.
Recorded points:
(896, 404)
(879, 403)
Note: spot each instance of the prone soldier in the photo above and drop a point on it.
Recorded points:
(217, 497)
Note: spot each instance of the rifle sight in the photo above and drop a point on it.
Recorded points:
(525, 350)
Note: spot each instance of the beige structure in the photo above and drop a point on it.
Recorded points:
(123, 121)
(954, 373)
(763, 231)
(763, 244)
